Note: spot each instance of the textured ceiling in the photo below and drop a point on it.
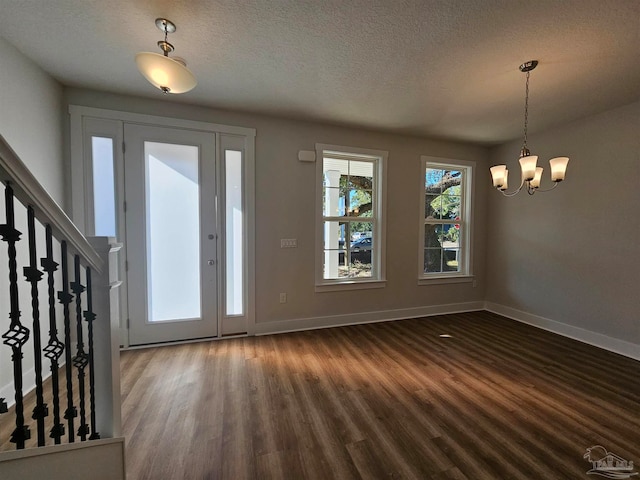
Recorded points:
(445, 68)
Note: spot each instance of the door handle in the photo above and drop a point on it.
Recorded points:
(211, 262)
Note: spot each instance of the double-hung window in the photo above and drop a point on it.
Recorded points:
(445, 219)
(351, 223)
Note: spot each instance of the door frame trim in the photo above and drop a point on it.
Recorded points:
(76, 176)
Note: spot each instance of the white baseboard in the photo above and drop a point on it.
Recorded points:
(313, 323)
(615, 345)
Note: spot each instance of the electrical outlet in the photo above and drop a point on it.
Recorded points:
(283, 298)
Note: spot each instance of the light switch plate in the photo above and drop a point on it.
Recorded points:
(288, 242)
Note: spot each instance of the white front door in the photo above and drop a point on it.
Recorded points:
(170, 192)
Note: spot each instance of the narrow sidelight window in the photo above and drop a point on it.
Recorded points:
(234, 232)
(104, 189)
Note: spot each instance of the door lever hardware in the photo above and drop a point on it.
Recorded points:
(211, 262)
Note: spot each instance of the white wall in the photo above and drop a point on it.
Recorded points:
(31, 118)
(573, 255)
(285, 207)
(31, 122)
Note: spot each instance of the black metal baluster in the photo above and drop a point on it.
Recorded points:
(81, 359)
(17, 335)
(89, 316)
(55, 348)
(33, 276)
(65, 299)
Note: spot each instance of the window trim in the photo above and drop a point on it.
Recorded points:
(379, 225)
(466, 245)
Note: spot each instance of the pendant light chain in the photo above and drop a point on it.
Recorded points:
(526, 112)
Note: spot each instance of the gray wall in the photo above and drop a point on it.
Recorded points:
(572, 255)
(285, 208)
(30, 119)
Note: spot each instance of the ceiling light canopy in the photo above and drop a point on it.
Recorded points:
(531, 173)
(169, 74)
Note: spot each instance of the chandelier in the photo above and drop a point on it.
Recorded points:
(169, 74)
(531, 173)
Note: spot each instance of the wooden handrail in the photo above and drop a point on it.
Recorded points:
(29, 191)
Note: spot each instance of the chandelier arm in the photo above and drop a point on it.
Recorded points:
(555, 184)
(515, 192)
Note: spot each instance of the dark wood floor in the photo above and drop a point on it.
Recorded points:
(494, 400)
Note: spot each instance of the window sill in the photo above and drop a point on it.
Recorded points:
(443, 279)
(361, 285)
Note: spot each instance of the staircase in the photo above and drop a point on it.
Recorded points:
(59, 324)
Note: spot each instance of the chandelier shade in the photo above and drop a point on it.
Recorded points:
(558, 168)
(528, 166)
(169, 74)
(537, 178)
(531, 177)
(498, 174)
(165, 73)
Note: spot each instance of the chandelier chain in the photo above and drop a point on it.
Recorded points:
(526, 110)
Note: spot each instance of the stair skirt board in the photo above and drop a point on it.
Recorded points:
(96, 459)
